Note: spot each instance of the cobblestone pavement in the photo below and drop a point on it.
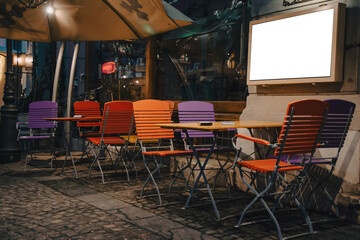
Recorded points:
(49, 204)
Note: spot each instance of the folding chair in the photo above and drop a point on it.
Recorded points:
(133, 149)
(198, 111)
(300, 134)
(39, 128)
(147, 114)
(333, 136)
(87, 109)
(87, 128)
(116, 120)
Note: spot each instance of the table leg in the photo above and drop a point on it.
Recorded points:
(202, 174)
(68, 152)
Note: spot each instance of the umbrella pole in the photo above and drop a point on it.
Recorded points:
(57, 71)
(70, 89)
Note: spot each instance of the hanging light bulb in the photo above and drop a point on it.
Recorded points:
(50, 10)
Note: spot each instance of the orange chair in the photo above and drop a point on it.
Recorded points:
(300, 134)
(147, 114)
(116, 120)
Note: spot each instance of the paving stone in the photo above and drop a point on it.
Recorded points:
(161, 225)
(103, 201)
(134, 213)
(46, 204)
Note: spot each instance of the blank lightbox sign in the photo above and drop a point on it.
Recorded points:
(300, 47)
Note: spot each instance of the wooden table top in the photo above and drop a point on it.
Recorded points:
(221, 126)
(75, 119)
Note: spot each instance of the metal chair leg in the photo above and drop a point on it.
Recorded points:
(150, 176)
(121, 156)
(259, 196)
(180, 172)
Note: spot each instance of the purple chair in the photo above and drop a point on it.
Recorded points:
(333, 136)
(198, 111)
(334, 132)
(40, 129)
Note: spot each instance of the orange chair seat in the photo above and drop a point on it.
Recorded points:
(268, 165)
(167, 153)
(107, 140)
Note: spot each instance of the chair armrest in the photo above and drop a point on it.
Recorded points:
(21, 123)
(253, 139)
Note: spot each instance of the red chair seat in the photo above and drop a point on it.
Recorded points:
(107, 140)
(90, 134)
(268, 165)
(167, 153)
(88, 124)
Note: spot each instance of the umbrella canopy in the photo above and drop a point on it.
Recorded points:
(88, 20)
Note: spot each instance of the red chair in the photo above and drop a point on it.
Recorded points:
(332, 137)
(300, 134)
(117, 120)
(87, 128)
(147, 114)
(87, 109)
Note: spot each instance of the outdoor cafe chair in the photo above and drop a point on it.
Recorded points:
(40, 129)
(300, 134)
(199, 111)
(87, 128)
(117, 120)
(333, 136)
(87, 109)
(148, 113)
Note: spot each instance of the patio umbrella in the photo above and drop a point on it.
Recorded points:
(87, 20)
(78, 20)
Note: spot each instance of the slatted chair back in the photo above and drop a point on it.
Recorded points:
(334, 131)
(87, 109)
(117, 118)
(40, 110)
(300, 130)
(196, 111)
(147, 114)
(337, 123)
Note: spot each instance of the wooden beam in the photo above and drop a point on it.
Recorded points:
(150, 67)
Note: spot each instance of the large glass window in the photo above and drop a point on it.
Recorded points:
(128, 80)
(202, 61)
